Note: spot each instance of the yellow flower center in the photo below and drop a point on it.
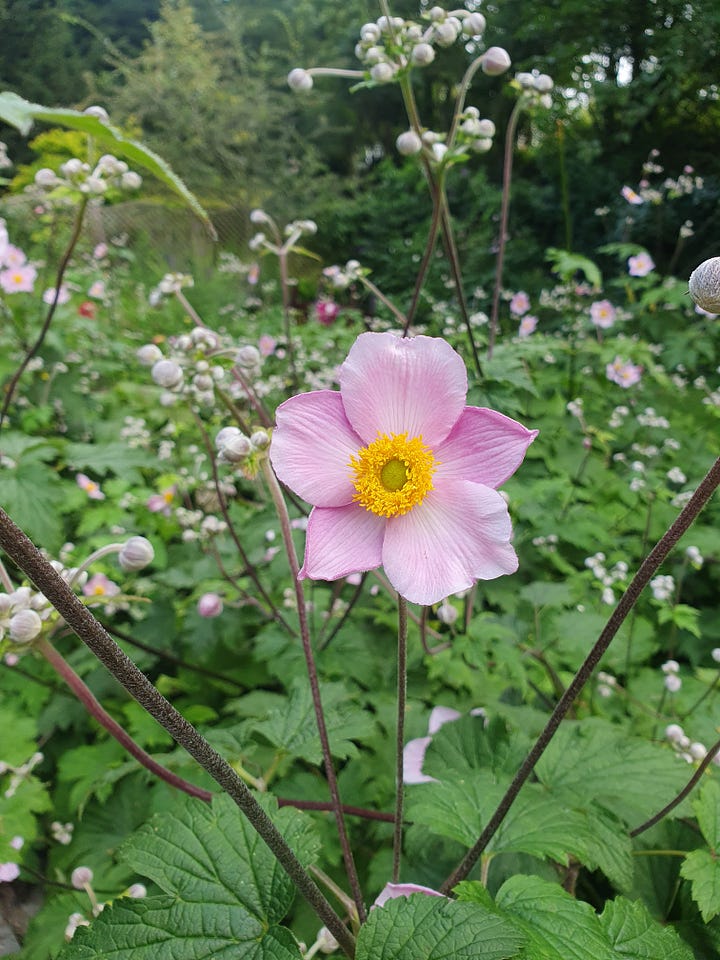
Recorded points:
(392, 474)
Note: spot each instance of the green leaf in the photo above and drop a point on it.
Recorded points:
(707, 811)
(21, 114)
(702, 869)
(34, 496)
(293, 726)
(423, 927)
(567, 264)
(102, 458)
(634, 934)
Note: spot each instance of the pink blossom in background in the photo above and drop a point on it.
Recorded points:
(414, 750)
(326, 312)
(253, 274)
(13, 257)
(400, 472)
(91, 488)
(266, 345)
(210, 605)
(162, 502)
(520, 303)
(391, 891)
(622, 372)
(100, 586)
(63, 295)
(9, 872)
(18, 279)
(640, 265)
(97, 290)
(100, 251)
(527, 326)
(602, 314)
(634, 198)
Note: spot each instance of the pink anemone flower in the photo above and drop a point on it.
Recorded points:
(400, 472)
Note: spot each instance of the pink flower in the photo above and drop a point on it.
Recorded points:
(210, 605)
(602, 314)
(97, 290)
(640, 265)
(91, 488)
(63, 295)
(11, 871)
(13, 257)
(100, 251)
(161, 502)
(414, 750)
(391, 891)
(18, 279)
(520, 303)
(634, 198)
(400, 472)
(253, 274)
(100, 586)
(527, 326)
(266, 345)
(622, 372)
(327, 311)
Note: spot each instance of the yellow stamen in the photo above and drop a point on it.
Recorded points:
(392, 474)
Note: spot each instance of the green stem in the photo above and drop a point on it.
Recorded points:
(647, 570)
(286, 531)
(285, 291)
(400, 735)
(46, 579)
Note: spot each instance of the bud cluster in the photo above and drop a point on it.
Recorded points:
(292, 232)
(93, 181)
(234, 447)
(341, 277)
(535, 88)
(191, 368)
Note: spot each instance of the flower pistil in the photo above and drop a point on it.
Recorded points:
(392, 474)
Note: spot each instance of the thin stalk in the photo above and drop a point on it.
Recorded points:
(504, 217)
(286, 531)
(454, 259)
(285, 290)
(435, 222)
(65, 260)
(397, 313)
(400, 735)
(647, 570)
(46, 579)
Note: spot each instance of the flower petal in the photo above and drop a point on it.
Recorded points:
(311, 448)
(458, 534)
(391, 385)
(484, 446)
(391, 891)
(342, 540)
(413, 757)
(439, 716)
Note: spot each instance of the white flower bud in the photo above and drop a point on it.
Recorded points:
(307, 226)
(715, 654)
(131, 180)
(439, 150)
(486, 128)
(259, 216)
(408, 143)
(422, 54)
(136, 891)
(382, 73)
(96, 111)
(446, 613)
(137, 553)
(46, 178)
(543, 83)
(446, 33)
(674, 732)
(482, 145)
(672, 683)
(236, 448)
(260, 439)
(149, 354)
(327, 942)
(437, 13)
(80, 877)
(474, 25)
(25, 626)
(705, 285)
(167, 373)
(697, 751)
(299, 79)
(495, 61)
(545, 101)
(526, 80)
(72, 167)
(248, 357)
(224, 436)
(370, 33)
(210, 605)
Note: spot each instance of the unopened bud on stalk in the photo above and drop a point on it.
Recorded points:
(260, 439)
(236, 448)
(422, 54)
(210, 605)
(299, 79)
(474, 25)
(382, 73)
(167, 373)
(149, 354)
(25, 626)
(495, 61)
(408, 143)
(137, 553)
(80, 877)
(705, 285)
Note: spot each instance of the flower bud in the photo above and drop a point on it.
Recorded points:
(705, 285)
(260, 439)
(299, 79)
(370, 33)
(482, 144)
(224, 436)
(248, 357)
(46, 177)
(25, 626)
(327, 942)
(167, 373)
(80, 877)
(408, 143)
(96, 111)
(137, 553)
(446, 33)
(237, 448)
(136, 891)
(210, 605)
(486, 128)
(474, 25)
(495, 61)
(382, 73)
(526, 80)
(422, 54)
(259, 216)
(674, 732)
(149, 354)
(131, 180)
(543, 83)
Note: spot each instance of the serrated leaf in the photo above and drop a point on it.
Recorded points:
(422, 927)
(162, 928)
(209, 853)
(102, 458)
(21, 114)
(293, 726)
(457, 809)
(634, 934)
(702, 869)
(707, 810)
(33, 496)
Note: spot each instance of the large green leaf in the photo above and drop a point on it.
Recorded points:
(702, 867)
(225, 891)
(634, 934)
(422, 927)
(21, 114)
(34, 497)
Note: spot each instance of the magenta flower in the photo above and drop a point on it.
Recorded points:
(326, 311)
(400, 472)
(622, 372)
(602, 314)
(640, 265)
(91, 488)
(520, 303)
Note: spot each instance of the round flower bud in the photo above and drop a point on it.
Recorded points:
(327, 942)
(715, 654)
(137, 553)
(495, 61)
(486, 128)
(131, 180)
(446, 33)
(80, 877)
(543, 83)
(446, 613)
(248, 357)
(96, 111)
(674, 732)
(382, 73)
(72, 167)
(25, 626)
(260, 439)
(370, 33)
(210, 605)
(408, 143)
(705, 285)
(136, 891)
(474, 25)
(259, 216)
(672, 683)
(526, 80)
(237, 448)
(299, 79)
(439, 150)
(697, 751)
(46, 177)
(437, 13)
(482, 145)
(545, 101)
(149, 354)
(224, 436)
(422, 54)
(167, 373)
